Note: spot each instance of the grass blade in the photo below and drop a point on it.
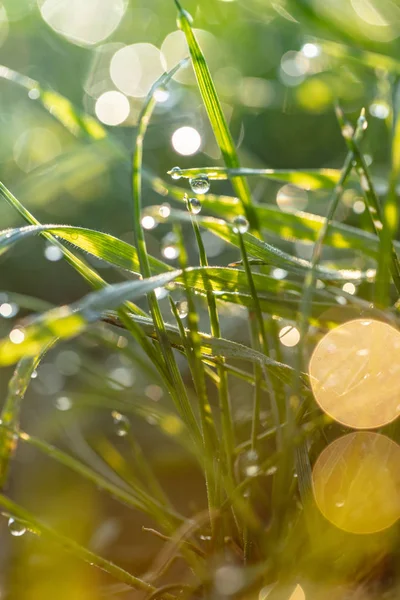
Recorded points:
(177, 387)
(75, 549)
(215, 114)
(69, 321)
(312, 179)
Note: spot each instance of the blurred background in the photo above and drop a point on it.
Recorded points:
(278, 67)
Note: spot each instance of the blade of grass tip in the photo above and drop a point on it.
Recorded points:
(312, 179)
(177, 389)
(371, 199)
(215, 114)
(193, 349)
(10, 415)
(228, 434)
(390, 216)
(72, 547)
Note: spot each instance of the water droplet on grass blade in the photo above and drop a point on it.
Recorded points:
(34, 93)
(250, 464)
(194, 205)
(182, 308)
(15, 527)
(200, 184)
(240, 224)
(121, 423)
(161, 94)
(184, 14)
(175, 173)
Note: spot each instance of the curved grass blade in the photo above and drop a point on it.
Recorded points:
(311, 179)
(74, 548)
(69, 321)
(374, 60)
(79, 124)
(299, 226)
(216, 115)
(265, 252)
(134, 498)
(213, 347)
(10, 414)
(101, 245)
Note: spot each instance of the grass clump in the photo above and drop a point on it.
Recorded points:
(258, 530)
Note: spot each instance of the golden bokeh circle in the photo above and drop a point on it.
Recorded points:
(355, 373)
(356, 482)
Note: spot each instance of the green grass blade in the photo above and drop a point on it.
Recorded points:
(177, 387)
(266, 252)
(101, 245)
(215, 114)
(374, 60)
(372, 202)
(134, 498)
(74, 548)
(212, 347)
(312, 179)
(10, 414)
(79, 124)
(69, 321)
(228, 434)
(299, 226)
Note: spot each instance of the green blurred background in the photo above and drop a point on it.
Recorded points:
(277, 79)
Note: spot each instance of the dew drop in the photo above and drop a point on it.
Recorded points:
(34, 93)
(161, 94)
(176, 173)
(347, 132)
(362, 122)
(272, 471)
(121, 423)
(240, 224)
(251, 466)
(200, 184)
(16, 527)
(184, 14)
(182, 308)
(194, 205)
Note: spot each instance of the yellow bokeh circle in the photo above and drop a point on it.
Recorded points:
(355, 374)
(356, 482)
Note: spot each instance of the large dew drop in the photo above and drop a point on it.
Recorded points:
(194, 205)
(200, 184)
(175, 173)
(15, 527)
(182, 308)
(240, 225)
